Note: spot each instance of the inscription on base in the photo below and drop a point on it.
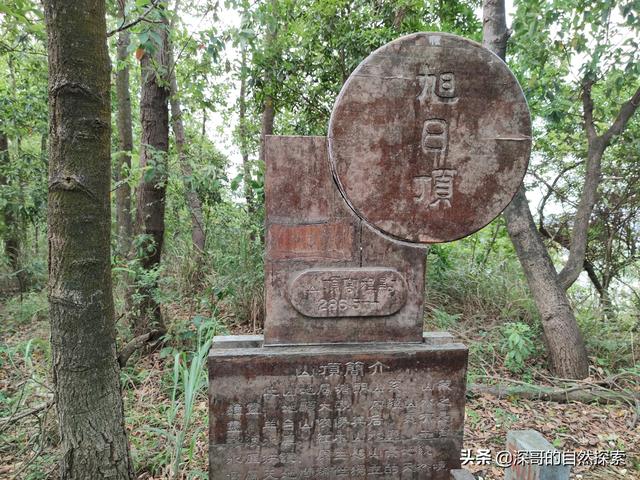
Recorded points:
(344, 415)
(348, 292)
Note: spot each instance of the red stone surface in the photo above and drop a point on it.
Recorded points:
(309, 226)
(430, 138)
(324, 241)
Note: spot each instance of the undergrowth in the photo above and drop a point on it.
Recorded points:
(474, 288)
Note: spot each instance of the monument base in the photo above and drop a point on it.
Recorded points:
(361, 411)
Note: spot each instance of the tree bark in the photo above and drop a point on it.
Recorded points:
(567, 351)
(154, 117)
(266, 127)
(85, 369)
(124, 223)
(11, 224)
(198, 235)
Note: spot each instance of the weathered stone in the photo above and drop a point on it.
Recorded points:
(310, 228)
(348, 292)
(438, 338)
(339, 411)
(430, 138)
(547, 463)
(461, 474)
(221, 342)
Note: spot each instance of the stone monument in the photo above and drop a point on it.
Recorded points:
(428, 141)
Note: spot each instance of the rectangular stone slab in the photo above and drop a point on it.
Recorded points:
(358, 412)
(309, 227)
(532, 442)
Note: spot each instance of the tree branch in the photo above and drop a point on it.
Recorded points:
(135, 344)
(597, 145)
(586, 264)
(561, 395)
(551, 189)
(26, 413)
(624, 115)
(132, 23)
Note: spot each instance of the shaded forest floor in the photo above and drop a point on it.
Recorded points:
(28, 441)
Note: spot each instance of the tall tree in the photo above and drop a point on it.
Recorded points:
(597, 143)
(198, 236)
(268, 101)
(242, 130)
(85, 371)
(567, 352)
(585, 57)
(124, 221)
(151, 195)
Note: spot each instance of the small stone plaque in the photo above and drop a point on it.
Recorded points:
(430, 138)
(348, 292)
(336, 412)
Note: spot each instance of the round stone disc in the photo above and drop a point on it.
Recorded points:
(430, 138)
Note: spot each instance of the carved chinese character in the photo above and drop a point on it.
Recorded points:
(305, 431)
(443, 180)
(360, 388)
(303, 375)
(343, 390)
(422, 189)
(324, 389)
(444, 387)
(355, 369)
(234, 435)
(435, 136)
(358, 471)
(331, 369)
(391, 471)
(375, 420)
(235, 411)
(324, 425)
(437, 88)
(377, 367)
(270, 431)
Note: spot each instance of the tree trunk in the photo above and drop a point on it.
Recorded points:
(268, 108)
(154, 117)
(242, 118)
(266, 128)
(198, 236)
(567, 352)
(11, 224)
(572, 269)
(124, 222)
(85, 369)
